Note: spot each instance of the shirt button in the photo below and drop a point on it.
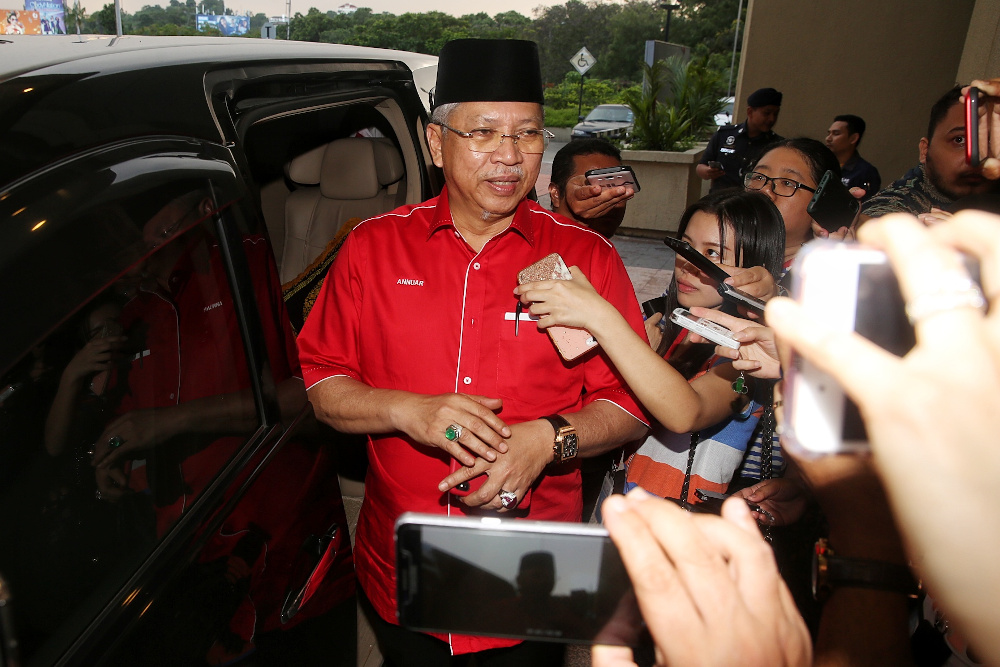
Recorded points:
(467, 380)
(476, 266)
(171, 397)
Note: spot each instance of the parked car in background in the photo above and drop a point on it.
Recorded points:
(166, 494)
(725, 117)
(611, 121)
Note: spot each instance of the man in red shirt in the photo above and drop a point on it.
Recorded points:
(417, 340)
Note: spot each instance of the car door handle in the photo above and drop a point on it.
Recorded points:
(321, 551)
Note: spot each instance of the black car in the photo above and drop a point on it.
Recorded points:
(609, 121)
(169, 206)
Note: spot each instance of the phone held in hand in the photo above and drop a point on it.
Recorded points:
(715, 164)
(972, 127)
(705, 328)
(538, 580)
(845, 287)
(832, 205)
(702, 263)
(716, 273)
(571, 342)
(657, 304)
(612, 177)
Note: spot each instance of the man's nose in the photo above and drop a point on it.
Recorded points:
(507, 152)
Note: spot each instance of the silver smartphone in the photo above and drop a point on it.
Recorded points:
(515, 578)
(704, 327)
(847, 287)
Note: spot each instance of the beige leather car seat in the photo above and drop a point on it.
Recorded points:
(354, 177)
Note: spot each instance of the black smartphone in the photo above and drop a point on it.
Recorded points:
(742, 298)
(523, 579)
(704, 264)
(832, 205)
(711, 502)
(655, 305)
(715, 164)
(610, 177)
(972, 127)
(716, 273)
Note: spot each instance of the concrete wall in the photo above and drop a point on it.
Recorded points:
(886, 61)
(982, 44)
(669, 184)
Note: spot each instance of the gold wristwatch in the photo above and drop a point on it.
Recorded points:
(566, 444)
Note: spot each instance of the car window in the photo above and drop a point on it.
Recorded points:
(127, 399)
(611, 114)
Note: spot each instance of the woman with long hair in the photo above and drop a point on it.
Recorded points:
(694, 396)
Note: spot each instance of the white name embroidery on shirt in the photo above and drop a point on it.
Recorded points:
(217, 304)
(410, 281)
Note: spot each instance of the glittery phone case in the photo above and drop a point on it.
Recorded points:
(570, 341)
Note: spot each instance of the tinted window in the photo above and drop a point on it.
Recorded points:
(127, 399)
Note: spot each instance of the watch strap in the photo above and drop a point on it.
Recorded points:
(832, 571)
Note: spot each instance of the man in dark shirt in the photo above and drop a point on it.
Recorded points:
(942, 176)
(843, 139)
(733, 147)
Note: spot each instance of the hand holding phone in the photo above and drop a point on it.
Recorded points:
(832, 205)
(571, 342)
(704, 327)
(715, 164)
(611, 177)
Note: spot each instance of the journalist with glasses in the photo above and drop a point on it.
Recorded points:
(418, 340)
(788, 172)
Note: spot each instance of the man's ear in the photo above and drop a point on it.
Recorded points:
(924, 144)
(854, 139)
(434, 144)
(554, 195)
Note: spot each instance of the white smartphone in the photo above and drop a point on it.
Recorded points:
(517, 578)
(713, 331)
(848, 287)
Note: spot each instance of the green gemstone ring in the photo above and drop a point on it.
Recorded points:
(115, 441)
(453, 432)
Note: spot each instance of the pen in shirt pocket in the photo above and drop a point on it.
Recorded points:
(517, 316)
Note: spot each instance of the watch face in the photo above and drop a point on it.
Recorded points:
(569, 446)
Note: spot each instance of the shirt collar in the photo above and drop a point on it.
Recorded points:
(522, 222)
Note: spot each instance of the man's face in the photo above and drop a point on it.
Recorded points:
(486, 186)
(607, 224)
(762, 119)
(944, 158)
(839, 139)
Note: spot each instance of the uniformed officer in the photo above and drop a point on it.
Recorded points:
(733, 147)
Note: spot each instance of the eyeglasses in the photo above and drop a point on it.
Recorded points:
(783, 187)
(487, 140)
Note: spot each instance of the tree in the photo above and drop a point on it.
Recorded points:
(310, 27)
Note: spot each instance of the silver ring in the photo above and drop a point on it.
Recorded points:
(508, 499)
(453, 432)
(97, 494)
(955, 291)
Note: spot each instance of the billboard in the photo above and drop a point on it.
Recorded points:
(52, 16)
(226, 24)
(20, 22)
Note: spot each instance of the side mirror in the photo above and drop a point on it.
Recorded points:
(580, 118)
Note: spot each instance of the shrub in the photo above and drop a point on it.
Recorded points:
(688, 116)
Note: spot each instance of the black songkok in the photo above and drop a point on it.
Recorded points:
(488, 70)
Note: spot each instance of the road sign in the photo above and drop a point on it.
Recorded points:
(268, 31)
(583, 61)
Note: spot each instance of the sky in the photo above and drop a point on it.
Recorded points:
(277, 7)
